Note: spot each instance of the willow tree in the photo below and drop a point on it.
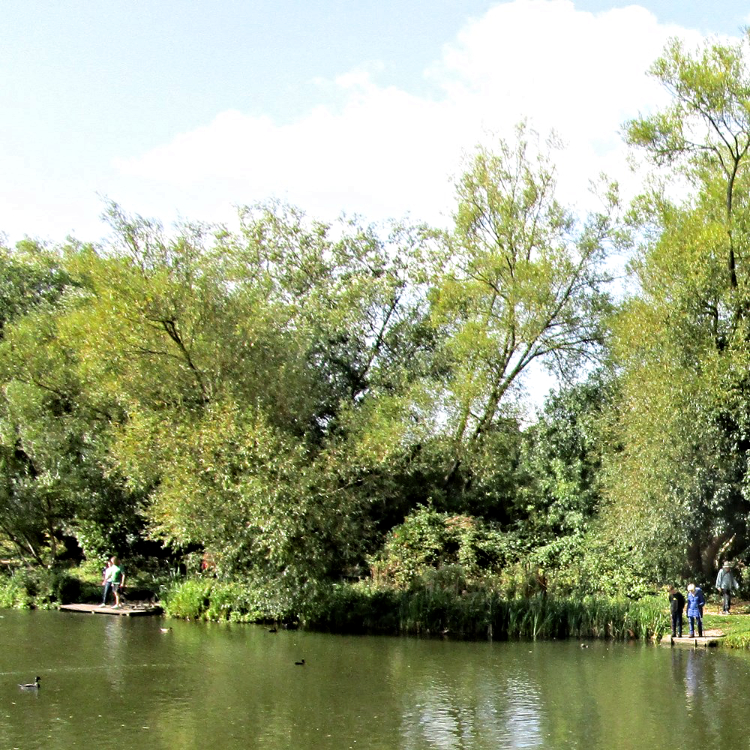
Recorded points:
(55, 479)
(680, 484)
(525, 283)
(257, 374)
(705, 131)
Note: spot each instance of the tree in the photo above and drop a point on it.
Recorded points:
(524, 284)
(706, 127)
(563, 455)
(679, 486)
(261, 380)
(30, 277)
(54, 436)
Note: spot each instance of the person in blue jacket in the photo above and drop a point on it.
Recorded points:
(695, 604)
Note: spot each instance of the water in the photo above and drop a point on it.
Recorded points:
(115, 682)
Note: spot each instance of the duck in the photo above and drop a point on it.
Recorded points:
(31, 685)
(300, 663)
(166, 630)
(273, 630)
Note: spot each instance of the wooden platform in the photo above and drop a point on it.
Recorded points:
(126, 610)
(706, 641)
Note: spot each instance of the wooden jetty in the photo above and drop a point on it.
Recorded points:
(126, 610)
(706, 641)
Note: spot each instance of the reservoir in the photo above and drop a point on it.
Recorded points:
(122, 683)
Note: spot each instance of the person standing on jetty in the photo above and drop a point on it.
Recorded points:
(676, 605)
(725, 582)
(114, 579)
(695, 603)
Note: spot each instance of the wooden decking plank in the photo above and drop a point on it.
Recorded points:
(687, 641)
(124, 611)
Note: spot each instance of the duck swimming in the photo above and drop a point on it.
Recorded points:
(31, 685)
(300, 663)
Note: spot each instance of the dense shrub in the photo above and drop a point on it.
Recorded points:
(228, 600)
(38, 587)
(13, 594)
(428, 540)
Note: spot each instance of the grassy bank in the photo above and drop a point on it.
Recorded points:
(736, 627)
(27, 587)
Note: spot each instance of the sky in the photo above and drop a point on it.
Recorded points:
(181, 109)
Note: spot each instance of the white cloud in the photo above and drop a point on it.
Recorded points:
(382, 151)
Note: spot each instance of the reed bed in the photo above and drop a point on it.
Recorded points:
(485, 614)
(479, 613)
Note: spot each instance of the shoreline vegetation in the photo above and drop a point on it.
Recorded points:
(431, 607)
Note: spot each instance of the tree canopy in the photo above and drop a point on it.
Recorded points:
(301, 401)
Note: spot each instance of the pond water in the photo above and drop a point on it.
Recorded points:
(116, 682)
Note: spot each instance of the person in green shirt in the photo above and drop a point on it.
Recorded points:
(114, 580)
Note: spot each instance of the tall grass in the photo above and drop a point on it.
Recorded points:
(484, 614)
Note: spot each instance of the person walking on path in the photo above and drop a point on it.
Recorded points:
(695, 603)
(726, 582)
(676, 605)
(114, 580)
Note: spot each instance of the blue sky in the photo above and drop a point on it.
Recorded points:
(189, 108)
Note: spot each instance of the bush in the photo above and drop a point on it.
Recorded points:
(13, 593)
(430, 540)
(228, 600)
(41, 588)
(187, 599)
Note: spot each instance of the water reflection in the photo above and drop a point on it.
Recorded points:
(693, 669)
(523, 715)
(711, 681)
(494, 705)
(113, 647)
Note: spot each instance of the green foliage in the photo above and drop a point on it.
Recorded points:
(187, 599)
(677, 489)
(607, 565)
(524, 284)
(435, 608)
(562, 457)
(429, 540)
(55, 429)
(238, 601)
(13, 594)
(31, 278)
(40, 588)
(353, 608)
(228, 601)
